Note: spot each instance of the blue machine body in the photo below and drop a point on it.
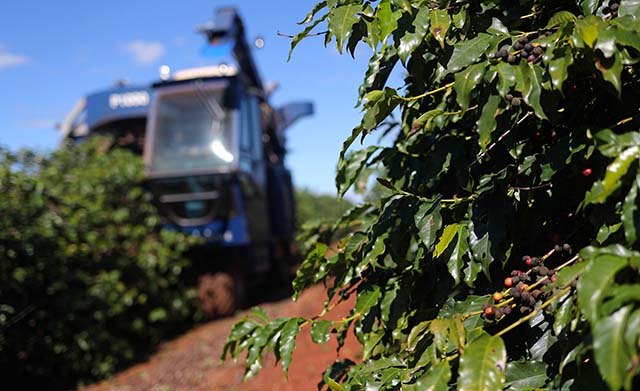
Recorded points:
(230, 186)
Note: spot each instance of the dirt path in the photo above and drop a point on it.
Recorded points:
(190, 362)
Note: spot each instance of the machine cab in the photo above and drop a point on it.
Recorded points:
(205, 126)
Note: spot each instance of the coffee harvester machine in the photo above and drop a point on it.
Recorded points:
(214, 151)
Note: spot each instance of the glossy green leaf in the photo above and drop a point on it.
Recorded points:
(527, 374)
(559, 67)
(610, 350)
(629, 214)
(440, 21)
(410, 41)
(341, 22)
(439, 328)
(589, 6)
(320, 331)
(595, 281)
(466, 81)
(564, 314)
(529, 83)
(468, 52)
(436, 378)
(588, 29)
(461, 247)
(447, 236)
(506, 77)
(287, 342)
(367, 299)
(482, 365)
(333, 385)
(428, 221)
(601, 190)
(425, 120)
(387, 20)
(487, 122)
(560, 18)
(304, 33)
(416, 334)
(629, 7)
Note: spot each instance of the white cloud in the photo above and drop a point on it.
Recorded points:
(8, 59)
(144, 52)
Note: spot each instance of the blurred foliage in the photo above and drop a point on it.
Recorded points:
(313, 207)
(88, 281)
(503, 251)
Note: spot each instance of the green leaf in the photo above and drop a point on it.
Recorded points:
(341, 21)
(313, 12)
(456, 260)
(629, 209)
(440, 23)
(466, 81)
(439, 328)
(610, 350)
(487, 122)
(447, 236)
(629, 7)
(416, 333)
(320, 331)
(525, 374)
(560, 18)
(349, 169)
(529, 83)
(367, 299)
(589, 6)
(333, 385)
(387, 20)
(482, 365)
(467, 52)
(410, 41)
(588, 29)
(570, 273)
(428, 221)
(601, 190)
(596, 280)
(506, 77)
(436, 378)
(558, 67)
(287, 342)
(304, 33)
(425, 120)
(564, 314)
(612, 71)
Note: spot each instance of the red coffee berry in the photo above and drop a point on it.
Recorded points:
(587, 171)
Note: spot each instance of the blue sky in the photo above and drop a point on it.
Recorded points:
(52, 53)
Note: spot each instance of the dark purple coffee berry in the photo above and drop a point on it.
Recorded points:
(506, 310)
(515, 102)
(523, 40)
(544, 270)
(532, 58)
(518, 46)
(538, 50)
(528, 47)
(511, 59)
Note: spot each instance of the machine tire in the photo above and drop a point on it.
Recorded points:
(220, 294)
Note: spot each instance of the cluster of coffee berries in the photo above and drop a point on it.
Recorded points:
(524, 48)
(612, 8)
(492, 312)
(565, 247)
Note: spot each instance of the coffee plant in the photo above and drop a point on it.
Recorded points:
(503, 251)
(88, 282)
